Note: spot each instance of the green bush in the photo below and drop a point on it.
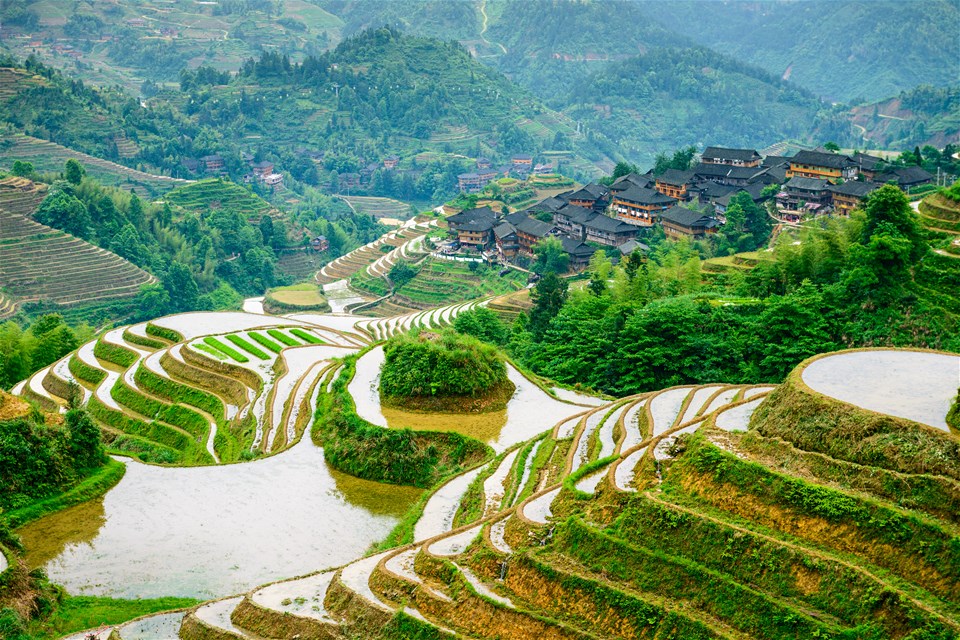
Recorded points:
(246, 346)
(394, 456)
(423, 363)
(265, 341)
(225, 350)
(953, 416)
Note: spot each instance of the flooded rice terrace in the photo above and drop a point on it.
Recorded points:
(213, 531)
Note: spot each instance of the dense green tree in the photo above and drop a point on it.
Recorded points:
(550, 256)
(181, 287)
(73, 171)
(63, 210)
(483, 324)
(548, 297)
(401, 273)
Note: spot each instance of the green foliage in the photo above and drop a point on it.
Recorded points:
(423, 363)
(246, 346)
(395, 456)
(483, 324)
(401, 273)
(550, 256)
(38, 460)
(264, 341)
(306, 336)
(953, 416)
(224, 349)
(44, 342)
(74, 172)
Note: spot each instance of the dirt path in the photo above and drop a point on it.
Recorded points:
(483, 29)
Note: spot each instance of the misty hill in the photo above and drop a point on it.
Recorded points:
(845, 51)
(925, 115)
(670, 98)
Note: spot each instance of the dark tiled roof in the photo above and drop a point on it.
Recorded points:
(820, 159)
(631, 179)
(515, 217)
(723, 153)
(481, 213)
(675, 177)
(753, 190)
(707, 170)
(775, 161)
(906, 176)
(576, 213)
(807, 184)
(854, 188)
(503, 230)
(551, 204)
(608, 224)
(534, 227)
(589, 192)
(641, 195)
(866, 162)
(715, 190)
(688, 218)
(576, 247)
(743, 173)
(630, 246)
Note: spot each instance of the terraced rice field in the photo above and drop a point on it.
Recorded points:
(380, 207)
(49, 156)
(213, 193)
(38, 262)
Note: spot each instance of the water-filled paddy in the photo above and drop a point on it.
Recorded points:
(529, 412)
(213, 531)
(916, 385)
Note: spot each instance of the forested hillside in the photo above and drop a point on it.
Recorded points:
(925, 115)
(844, 51)
(675, 97)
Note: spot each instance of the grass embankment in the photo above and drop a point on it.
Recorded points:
(76, 613)
(93, 486)
(445, 371)
(953, 416)
(295, 298)
(394, 456)
(814, 422)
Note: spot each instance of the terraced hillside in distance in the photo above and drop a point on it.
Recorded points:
(711, 511)
(39, 263)
(213, 193)
(380, 207)
(939, 275)
(48, 156)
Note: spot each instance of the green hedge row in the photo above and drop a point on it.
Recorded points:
(114, 353)
(394, 456)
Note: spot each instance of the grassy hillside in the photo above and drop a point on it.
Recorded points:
(925, 115)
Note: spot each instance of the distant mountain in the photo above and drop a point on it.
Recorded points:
(844, 51)
(671, 98)
(925, 115)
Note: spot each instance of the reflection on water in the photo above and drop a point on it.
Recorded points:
(213, 531)
(45, 539)
(529, 412)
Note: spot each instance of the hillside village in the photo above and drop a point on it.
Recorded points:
(683, 203)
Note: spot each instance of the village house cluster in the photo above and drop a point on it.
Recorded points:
(685, 204)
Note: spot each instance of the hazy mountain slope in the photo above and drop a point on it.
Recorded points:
(846, 51)
(925, 115)
(670, 98)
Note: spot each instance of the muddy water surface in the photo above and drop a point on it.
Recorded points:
(529, 412)
(213, 531)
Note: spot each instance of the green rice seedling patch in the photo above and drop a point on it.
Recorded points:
(280, 336)
(306, 336)
(246, 346)
(230, 352)
(264, 341)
